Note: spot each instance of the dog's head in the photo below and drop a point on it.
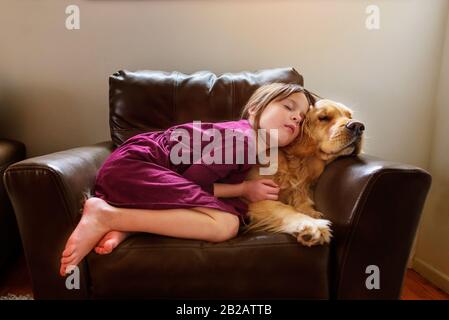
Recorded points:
(328, 132)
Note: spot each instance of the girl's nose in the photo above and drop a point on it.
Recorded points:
(296, 118)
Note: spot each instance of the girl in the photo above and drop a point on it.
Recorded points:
(140, 189)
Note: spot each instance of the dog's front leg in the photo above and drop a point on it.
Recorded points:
(310, 211)
(307, 206)
(275, 216)
(300, 198)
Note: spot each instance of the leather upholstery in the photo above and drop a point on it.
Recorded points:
(375, 206)
(251, 266)
(10, 151)
(366, 198)
(46, 193)
(154, 100)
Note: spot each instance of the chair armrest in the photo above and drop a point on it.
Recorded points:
(375, 207)
(47, 196)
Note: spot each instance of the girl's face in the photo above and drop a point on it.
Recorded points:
(285, 115)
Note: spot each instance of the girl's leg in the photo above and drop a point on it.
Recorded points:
(100, 218)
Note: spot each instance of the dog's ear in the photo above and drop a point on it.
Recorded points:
(304, 145)
(306, 126)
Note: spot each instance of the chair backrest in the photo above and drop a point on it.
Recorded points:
(149, 100)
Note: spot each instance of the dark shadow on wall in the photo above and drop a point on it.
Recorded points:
(49, 119)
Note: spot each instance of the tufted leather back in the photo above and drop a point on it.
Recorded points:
(148, 100)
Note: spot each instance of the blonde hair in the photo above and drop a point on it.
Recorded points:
(269, 92)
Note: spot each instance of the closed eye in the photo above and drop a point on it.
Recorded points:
(323, 118)
(287, 107)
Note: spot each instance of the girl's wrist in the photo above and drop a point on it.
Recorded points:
(243, 189)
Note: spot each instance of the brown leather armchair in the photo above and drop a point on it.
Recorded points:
(374, 205)
(10, 151)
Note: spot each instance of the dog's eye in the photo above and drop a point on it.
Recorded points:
(323, 118)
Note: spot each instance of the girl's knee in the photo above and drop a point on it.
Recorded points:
(227, 224)
(228, 227)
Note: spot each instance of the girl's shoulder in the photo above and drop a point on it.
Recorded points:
(242, 125)
(225, 139)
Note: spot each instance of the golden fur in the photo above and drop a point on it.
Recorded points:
(323, 138)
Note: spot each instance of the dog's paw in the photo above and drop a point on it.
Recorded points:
(312, 232)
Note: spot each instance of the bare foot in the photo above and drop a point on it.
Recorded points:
(91, 228)
(111, 240)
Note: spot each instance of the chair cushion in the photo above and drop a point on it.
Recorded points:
(257, 265)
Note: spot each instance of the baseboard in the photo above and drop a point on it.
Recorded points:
(435, 276)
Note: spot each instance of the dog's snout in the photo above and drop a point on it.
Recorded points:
(356, 127)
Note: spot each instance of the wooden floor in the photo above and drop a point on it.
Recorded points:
(417, 288)
(15, 280)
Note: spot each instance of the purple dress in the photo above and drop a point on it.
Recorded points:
(141, 174)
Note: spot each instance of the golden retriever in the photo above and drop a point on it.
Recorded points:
(328, 132)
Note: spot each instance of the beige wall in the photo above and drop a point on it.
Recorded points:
(432, 250)
(54, 82)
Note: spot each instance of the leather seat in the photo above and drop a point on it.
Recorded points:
(251, 266)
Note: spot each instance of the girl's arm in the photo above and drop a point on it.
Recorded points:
(252, 190)
(225, 190)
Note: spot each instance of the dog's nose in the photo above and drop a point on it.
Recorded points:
(356, 127)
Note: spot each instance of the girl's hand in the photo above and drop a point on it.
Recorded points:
(260, 189)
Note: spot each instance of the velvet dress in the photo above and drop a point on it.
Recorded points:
(142, 173)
